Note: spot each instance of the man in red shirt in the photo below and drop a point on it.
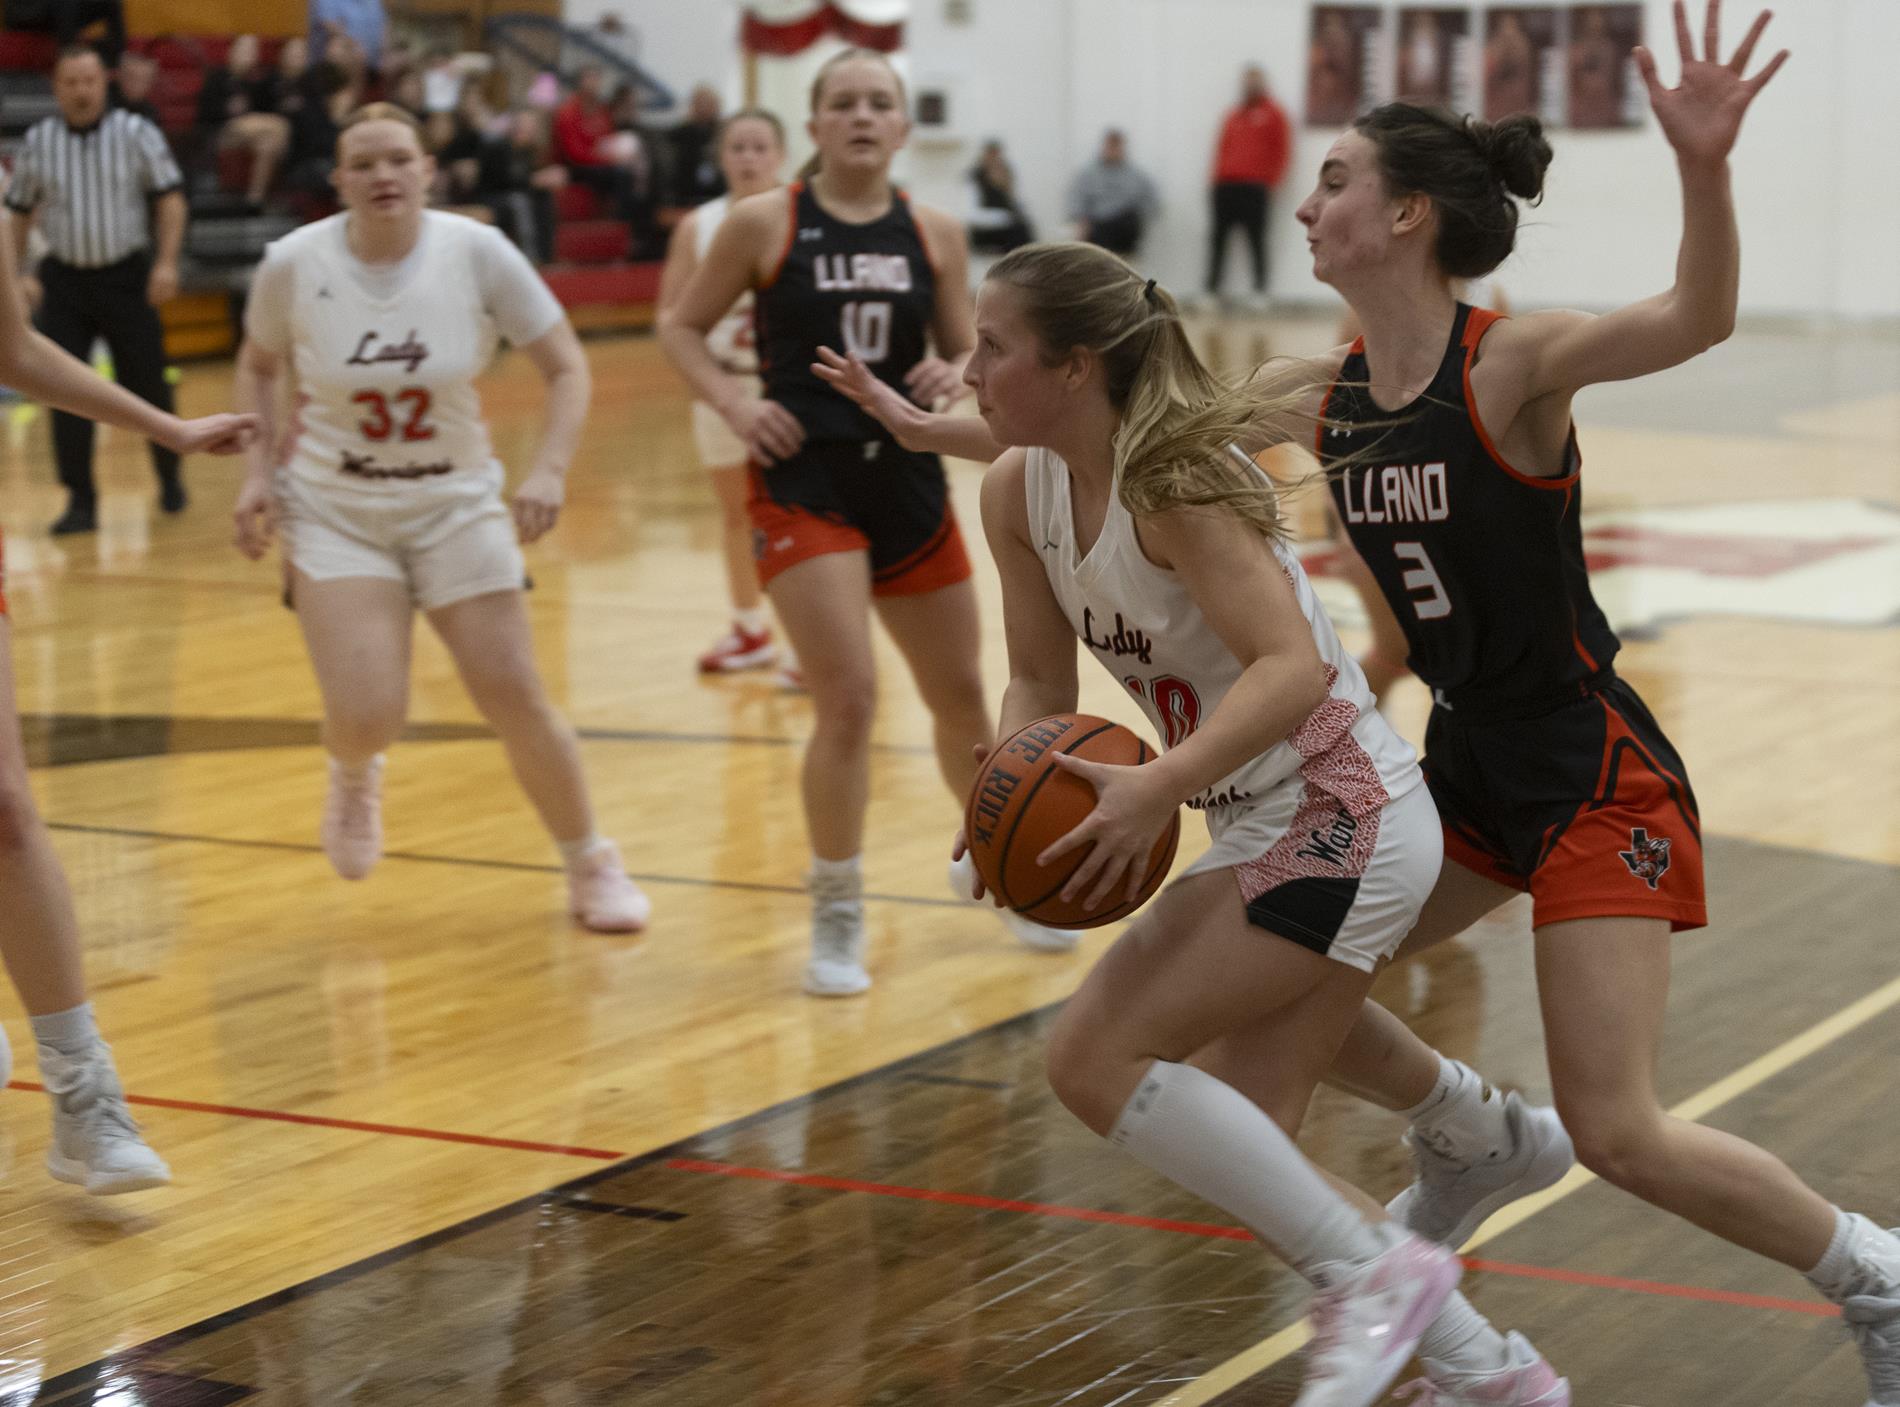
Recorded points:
(1255, 142)
(613, 163)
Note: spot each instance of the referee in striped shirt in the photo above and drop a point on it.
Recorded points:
(99, 180)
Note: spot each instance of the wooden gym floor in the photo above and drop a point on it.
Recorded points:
(433, 1144)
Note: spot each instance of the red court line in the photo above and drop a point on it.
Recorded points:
(355, 1125)
(1235, 1233)
(954, 1199)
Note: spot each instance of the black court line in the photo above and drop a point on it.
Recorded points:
(570, 1194)
(75, 739)
(305, 848)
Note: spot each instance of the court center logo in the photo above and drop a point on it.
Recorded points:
(1647, 857)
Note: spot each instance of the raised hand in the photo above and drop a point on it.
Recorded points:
(1702, 114)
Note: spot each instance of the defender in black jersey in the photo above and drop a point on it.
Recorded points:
(870, 290)
(845, 518)
(1548, 770)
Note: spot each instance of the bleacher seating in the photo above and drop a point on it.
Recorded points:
(592, 276)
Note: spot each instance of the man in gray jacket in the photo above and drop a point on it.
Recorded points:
(1112, 199)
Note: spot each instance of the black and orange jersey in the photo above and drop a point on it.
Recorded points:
(1482, 564)
(868, 289)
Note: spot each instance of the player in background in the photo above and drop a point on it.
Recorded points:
(389, 492)
(95, 1143)
(848, 520)
(751, 147)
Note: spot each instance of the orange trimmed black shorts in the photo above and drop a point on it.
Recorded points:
(871, 496)
(1587, 808)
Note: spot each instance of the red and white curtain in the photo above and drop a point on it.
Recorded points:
(783, 28)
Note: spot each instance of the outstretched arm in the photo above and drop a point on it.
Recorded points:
(1701, 118)
(913, 427)
(42, 371)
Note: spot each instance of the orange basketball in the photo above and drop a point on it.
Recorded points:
(1022, 803)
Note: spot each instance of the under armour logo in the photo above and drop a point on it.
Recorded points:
(811, 234)
(1050, 545)
(324, 291)
(1339, 432)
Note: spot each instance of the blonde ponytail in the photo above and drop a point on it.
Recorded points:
(1179, 421)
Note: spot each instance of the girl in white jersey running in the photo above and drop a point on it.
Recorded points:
(390, 497)
(1131, 525)
(95, 1142)
(751, 147)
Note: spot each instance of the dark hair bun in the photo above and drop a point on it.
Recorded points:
(1516, 152)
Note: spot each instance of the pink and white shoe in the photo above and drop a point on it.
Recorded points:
(1368, 1320)
(1526, 1381)
(602, 897)
(738, 649)
(352, 829)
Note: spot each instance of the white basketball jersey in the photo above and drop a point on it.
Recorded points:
(386, 384)
(1139, 621)
(733, 342)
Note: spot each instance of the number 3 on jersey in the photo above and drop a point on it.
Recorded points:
(867, 331)
(1434, 604)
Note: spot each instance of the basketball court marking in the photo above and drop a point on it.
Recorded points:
(1292, 1339)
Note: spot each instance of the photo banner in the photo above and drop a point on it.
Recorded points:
(1436, 61)
(1346, 63)
(1603, 86)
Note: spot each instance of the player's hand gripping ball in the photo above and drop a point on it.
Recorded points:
(1023, 802)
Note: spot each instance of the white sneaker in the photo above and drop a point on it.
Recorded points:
(1874, 1322)
(1368, 1321)
(1028, 932)
(352, 830)
(95, 1143)
(836, 968)
(602, 897)
(1527, 1381)
(1449, 1199)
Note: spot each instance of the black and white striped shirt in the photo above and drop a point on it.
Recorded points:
(92, 186)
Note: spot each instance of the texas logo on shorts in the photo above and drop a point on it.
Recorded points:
(1647, 857)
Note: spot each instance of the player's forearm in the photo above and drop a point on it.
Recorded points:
(1270, 700)
(1028, 698)
(258, 391)
(171, 229)
(957, 436)
(40, 370)
(1709, 264)
(569, 392)
(685, 346)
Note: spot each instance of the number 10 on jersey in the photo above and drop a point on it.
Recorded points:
(867, 331)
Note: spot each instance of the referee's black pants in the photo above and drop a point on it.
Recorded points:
(83, 304)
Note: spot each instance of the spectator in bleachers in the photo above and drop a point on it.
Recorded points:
(694, 148)
(136, 77)
(330, 94)
(406, 91)
(1112, 199)
(515, 176)
(292, 67)
(997, 222)
(613, 164)
(240, 106)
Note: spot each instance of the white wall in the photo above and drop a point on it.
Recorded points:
(1817, 177)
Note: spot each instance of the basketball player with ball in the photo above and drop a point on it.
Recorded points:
(1135, 526)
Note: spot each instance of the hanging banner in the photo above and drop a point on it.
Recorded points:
(1343, 63)
(1605, 89)
(1523, 69)
(1435, 57)
(781, 28)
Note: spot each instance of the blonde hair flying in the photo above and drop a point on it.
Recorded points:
(1179, 421)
